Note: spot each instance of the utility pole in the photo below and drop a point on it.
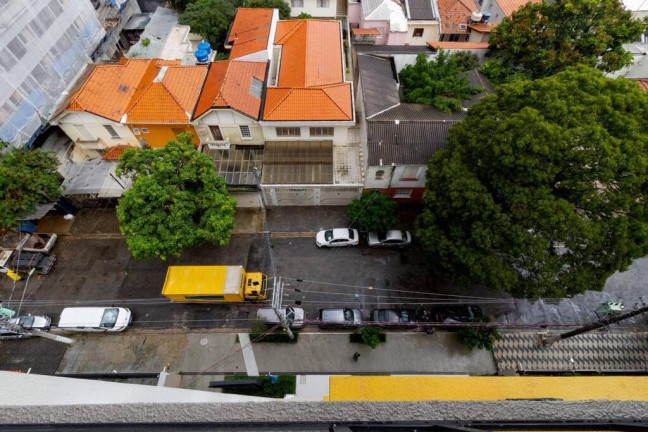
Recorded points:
(589, 327)
(19, 329)
(277, 300)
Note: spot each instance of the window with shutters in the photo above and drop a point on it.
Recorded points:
(288, 131)
(111, 130)
(321, 131)
(216, 133)
(246, 134)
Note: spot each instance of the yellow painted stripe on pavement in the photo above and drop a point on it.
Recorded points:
(421, 388)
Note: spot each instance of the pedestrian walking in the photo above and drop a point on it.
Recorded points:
(356, 356)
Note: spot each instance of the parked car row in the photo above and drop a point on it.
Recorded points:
(343, 237)
(349, 318)
(73, 320)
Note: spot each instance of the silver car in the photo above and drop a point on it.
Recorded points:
(293, 314)
(393, 238)
(27, 322)
(340, 318)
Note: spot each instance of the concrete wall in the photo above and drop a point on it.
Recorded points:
(430, 33)
(94, 125)
(397, 38)
(354, 12)
(383, 28)
(229, 122)
(309, 195)
(311, 7)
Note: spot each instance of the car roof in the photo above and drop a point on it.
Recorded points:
(340, 232)
(395, 234)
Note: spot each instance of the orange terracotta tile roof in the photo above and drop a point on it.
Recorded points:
(114, 153)
(453, 13)
(109, 89)
(250, 31)
(458, 45)
(483, 27)
(310, 84)
(510, 6)
(145, 90)
(228, 86)
(171, 96)
(365, 31)
(332, 102)
(643, 83)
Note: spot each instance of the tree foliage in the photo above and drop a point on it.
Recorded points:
(543, 189)
(439, 82)
(209, 18)
(479, 337)
(27, 178)
(304, 15)
(284, 7)
(370, 336)
(180, 5)
(177, 200)
(373, 212)
(544, 38)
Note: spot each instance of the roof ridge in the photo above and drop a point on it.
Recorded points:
(298, 24)
(334, 103)
(290, 90)
(168, 90)
(220, 91)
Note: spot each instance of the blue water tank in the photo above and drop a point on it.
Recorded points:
(204, 46)
(486, 16)
(202, 56)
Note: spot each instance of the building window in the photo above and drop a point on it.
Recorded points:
(418, 32)
(403, 193)
(136, 131)
(322, 3)
(17, 48)
(111, 130)
(245, 132)
(216, 133)
(145, 130)
(255, 87)
(288, 131)
(411, 174)
(321, 131)
(297, 3)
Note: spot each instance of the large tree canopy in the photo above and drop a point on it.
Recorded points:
(209, 18)
(373, 212)
(284, 8)
(27, 178)
(438, 82)
(544, 38)
(177, 200)
(544, 187)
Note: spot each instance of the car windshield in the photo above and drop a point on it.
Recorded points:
(351, 235)
(328, 235)
(404, 317)
(348, 315)
(290, 313)
(26, 322)
(109, 318)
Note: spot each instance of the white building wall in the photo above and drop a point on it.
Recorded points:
(94, 125)
(229, 121)
(315, 8)
(44, 45)
(339, 133)
(430, 33)
(378, 177)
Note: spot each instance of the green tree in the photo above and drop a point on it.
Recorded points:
(543, 189)
(209, 18)
(180, 5)
(370, 336)
(27, 178)
(439, 82)
(479, 337)
(284, 7)
(544, 38)
(373, 212)
(177, 200)
(304, 15)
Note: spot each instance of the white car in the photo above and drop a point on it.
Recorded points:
(27, 322)
(337, 237)
(393, 238)
(95, 319)
(295, 315)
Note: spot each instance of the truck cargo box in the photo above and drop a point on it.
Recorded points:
(204, 284)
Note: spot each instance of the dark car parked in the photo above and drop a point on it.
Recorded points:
(392, 317)
(448, 314)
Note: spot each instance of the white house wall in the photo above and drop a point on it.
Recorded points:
(339, 134)
(310, 7)
(375, 181)
(95, 126)
(229, 121)
(430, 33)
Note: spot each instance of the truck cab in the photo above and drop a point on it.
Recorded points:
(256, 286)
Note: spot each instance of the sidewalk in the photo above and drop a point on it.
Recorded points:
(214, 353)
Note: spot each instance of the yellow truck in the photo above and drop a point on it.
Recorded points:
(214, 284)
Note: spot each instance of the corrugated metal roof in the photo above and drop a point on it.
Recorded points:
(406, 143)
(418, 112)
(392, 49)
(420, 10)
(298, 162)
(379, 84)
